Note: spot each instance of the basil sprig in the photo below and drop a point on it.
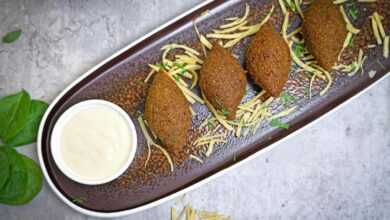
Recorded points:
(20, 176)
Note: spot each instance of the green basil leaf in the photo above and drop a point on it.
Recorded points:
(15, 186)
(12, 36)
(4, 167)
(14, 110)
(34, 182)
(29, 133)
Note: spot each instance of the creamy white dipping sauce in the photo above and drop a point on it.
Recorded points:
(95, 142)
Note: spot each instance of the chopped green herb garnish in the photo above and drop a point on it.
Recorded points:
(78, 200)
(183, 71)
(306, 91)
(287, 98)
(225, 112)
(179, 65)
(350, 43)
(291, 5)
(160, 66)
(278, 124)
(298, 50)
(353, 11)
(210, 125)
(12, 36)
(176, 77)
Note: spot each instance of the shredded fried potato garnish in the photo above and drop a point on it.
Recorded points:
(354, 67)
(150, 143)
(249, 117)
(192, 214)
(237, 29)
(379, 33)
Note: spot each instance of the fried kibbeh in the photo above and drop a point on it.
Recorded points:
(223, 81)
(268, 60)
(324, 30)
(167, 112)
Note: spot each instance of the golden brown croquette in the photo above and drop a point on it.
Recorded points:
(223, 81)
(167, 112)
(324, 30)
(268, 60)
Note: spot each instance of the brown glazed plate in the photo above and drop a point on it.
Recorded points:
(120, 79)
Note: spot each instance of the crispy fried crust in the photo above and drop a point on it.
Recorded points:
(324, 32)
(268, 60)
(223, 81)
(167, 112)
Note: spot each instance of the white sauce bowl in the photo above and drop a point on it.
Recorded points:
(59, 129)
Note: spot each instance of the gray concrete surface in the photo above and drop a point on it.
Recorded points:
(337, 169)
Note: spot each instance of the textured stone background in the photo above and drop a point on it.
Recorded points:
(337, 169)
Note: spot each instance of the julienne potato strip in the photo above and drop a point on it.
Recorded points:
(351, 29)
(336, 2)
(349, 26)
(283, 6)
(196, 158)
(150, 142)
(283, 113)
(379, 33)
(351, 32)
(210, 139)
(375, 29)
(220, 118)
(298, 6)
(192, 214)
(346, 43)
(354, 67)
(287, 5)
(236, 30)
(328, 78)
(386, 47)
(204, 43)
(378, 20)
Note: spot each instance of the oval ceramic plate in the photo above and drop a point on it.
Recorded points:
(120, 79)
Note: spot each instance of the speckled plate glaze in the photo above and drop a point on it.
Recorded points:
(119, 79)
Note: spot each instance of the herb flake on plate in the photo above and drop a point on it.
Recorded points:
(287, 98)
(78, 200)
(278, 124)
